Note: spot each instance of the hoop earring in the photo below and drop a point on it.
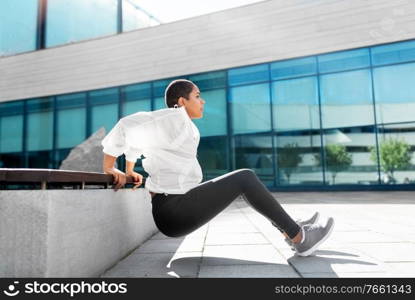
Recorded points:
(175, 106)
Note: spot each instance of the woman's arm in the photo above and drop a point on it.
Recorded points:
(129, 171)
(108, 168)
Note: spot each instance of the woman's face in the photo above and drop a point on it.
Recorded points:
(193, 105)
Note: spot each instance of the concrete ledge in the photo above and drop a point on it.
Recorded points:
(70, 233)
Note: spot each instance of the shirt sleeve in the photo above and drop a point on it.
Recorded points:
(114, 142)
(132, 154)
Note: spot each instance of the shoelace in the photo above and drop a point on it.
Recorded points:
(310, 227)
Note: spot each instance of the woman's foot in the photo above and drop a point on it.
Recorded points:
(313, 236)
(314, 219)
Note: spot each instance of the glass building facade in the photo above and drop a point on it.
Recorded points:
(343, 118)
(29, 25)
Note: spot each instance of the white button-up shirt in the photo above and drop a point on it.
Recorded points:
(168, 139)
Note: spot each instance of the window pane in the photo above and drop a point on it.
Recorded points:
(136, 106)
(393, 53)
(18, 22)
(104, 112)
(346, 60)
(71, 120)
(212, 156)
(11, 127)
(136, 98)
(347, 116)
(346, 99)
(214, 114)
(134, 17)
(250, 108)
(293, 68)
(137, 91)
(71, 127)
(395, 93)
(212, 80)
(40, 159)
(295, 104)
(255, 152)
(248, 75)
(11, 160)
(348, 156)
(40, 124)
(11, 134)
(159, 103)
(295, 157)
(397, 159)
(104, 116)
(75, 20)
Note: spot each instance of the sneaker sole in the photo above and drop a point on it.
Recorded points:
(312, 249)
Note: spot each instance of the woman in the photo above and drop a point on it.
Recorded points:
(180, 202)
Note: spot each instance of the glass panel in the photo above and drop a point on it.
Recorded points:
(348, 156)
(11, 160)
(11, 134)
(346, 99)
(211, 80)
(137, 91)
(250, 107)
(40, 159)
(137, 98)
(18, 24)
(75, 20)
(347, 116)
(212, 156)
(393, 53)
(159, 103)
(293, 68)
(248, 74)
(71, 120)
(345, 60)
(295, 157)
(60, 155)
(104, 116)
(104, 112)
(395, 93)
(136, 106)
(397, 159)
(71, 127)
(295, 104)
(255, 152)
(105, 96)
(214, 114)
(134, 17)
(296, 114)
(40, 124)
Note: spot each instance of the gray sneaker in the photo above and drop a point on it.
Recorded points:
(313, 236)
(301, 223)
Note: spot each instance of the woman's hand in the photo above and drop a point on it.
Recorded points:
(119, 177)
(138, 178)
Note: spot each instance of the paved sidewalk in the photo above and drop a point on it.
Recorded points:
(374, 236)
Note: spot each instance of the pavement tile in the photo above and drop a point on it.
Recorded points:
(167, 265)
(187, 244)
(227, 238)
(389, 252)
(241, 254)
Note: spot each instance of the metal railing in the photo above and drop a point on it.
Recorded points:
(11, 178)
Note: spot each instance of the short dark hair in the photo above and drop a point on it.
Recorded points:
(176, 89)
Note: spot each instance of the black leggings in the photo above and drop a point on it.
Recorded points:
(179, 214)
